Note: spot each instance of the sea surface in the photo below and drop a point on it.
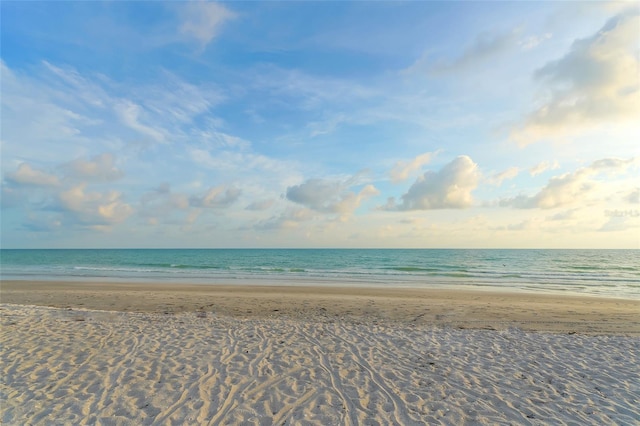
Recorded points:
(613, 273)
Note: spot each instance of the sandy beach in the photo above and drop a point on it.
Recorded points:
(112, 353)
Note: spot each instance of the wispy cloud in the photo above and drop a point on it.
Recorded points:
(403, 169)
(534, 41)
(203, 20)
(130, 114)
(291, 218)
(216, 197)
(543, 167)
(483, 47)
(497, 178)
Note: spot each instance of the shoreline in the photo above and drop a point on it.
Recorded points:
(460, 308)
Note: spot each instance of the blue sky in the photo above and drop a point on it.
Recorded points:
(320, 124)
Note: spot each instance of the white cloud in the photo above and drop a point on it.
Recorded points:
(94, 208)
(26, 175)
(403, 169)
(100, 168)
(561, 191)
(351, 201)
(543, 167)
(216, 197)
(450, 188)
(569, 188)
(596, 82)
(318, 194)
(498, 178)
(330, 195)
(202, 20)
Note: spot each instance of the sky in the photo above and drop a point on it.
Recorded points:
(320, 124)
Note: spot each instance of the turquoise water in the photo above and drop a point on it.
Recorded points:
(590, 272)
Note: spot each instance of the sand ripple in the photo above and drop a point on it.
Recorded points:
(90, 367)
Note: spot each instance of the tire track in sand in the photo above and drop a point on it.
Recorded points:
(399, 416)
(232, 399)
(204, 388)
(336, 381)
(129, 349)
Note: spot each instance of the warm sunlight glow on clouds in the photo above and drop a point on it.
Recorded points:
(595, 82)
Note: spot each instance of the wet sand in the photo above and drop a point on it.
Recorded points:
(461, 308)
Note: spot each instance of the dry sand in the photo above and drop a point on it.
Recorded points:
(151, 354)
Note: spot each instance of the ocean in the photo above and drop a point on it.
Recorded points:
(612, 273)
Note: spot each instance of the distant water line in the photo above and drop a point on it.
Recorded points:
(613, 273)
